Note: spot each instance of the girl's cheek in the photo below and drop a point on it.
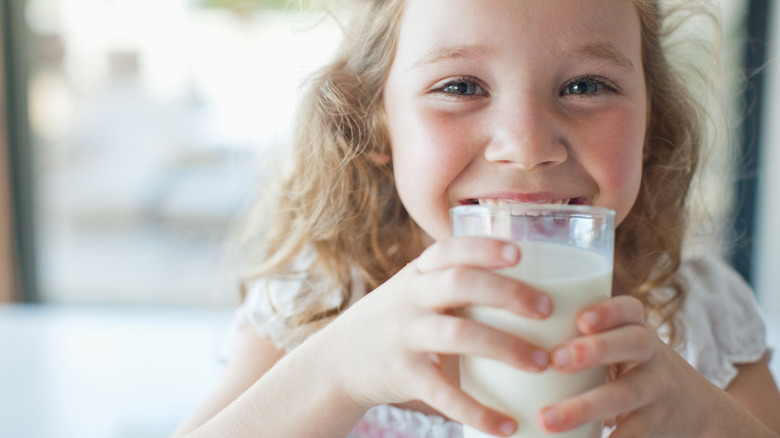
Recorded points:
(615, 160)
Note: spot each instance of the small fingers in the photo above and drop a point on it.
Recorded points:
(482, 252)
(437, 391)
(612, 313)
(631, 343)
(458, 272)
(627, 394)
(455, 335)
(459, 287)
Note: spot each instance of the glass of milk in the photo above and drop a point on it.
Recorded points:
(567, 251)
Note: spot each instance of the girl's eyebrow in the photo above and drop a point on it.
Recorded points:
(599, 50)
(450, 53)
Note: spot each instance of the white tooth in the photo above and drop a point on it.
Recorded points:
(503, 202)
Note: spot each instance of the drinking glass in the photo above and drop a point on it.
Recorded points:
(566, 251)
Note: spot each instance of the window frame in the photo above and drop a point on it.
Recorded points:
(19, 154)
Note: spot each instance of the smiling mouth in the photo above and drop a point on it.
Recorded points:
(499, 202)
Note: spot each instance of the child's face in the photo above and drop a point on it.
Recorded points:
(524, 100)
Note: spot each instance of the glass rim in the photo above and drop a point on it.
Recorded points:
(519, 208)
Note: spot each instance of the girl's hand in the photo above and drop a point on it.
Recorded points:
(654, 393)
(389, 346)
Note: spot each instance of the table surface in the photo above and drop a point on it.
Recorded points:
(106, 372)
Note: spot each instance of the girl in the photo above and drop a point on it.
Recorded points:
(436, 103)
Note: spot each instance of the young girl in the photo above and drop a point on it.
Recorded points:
(349, 327)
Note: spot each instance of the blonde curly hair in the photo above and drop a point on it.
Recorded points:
(340, 202)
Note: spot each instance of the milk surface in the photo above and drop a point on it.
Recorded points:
(575, 279)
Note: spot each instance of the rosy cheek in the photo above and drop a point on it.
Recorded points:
(616, 160)
(439, 144)
(427, 157)
(621, 169)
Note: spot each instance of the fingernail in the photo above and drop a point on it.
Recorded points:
(551, 417)
(561, 357)
(590, 317)
(507, 427)
(541, 358)
(510, 253)
(544, 305)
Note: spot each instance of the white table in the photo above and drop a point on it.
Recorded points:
(100, 372)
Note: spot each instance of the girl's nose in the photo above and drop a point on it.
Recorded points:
(526, 137)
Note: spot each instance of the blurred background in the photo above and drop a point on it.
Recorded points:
(135, 132)
(133, 135)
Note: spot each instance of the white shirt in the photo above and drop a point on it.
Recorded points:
(721, 324)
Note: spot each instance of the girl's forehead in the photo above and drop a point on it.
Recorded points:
(429, 26)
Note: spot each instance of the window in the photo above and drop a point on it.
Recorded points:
(151, 122)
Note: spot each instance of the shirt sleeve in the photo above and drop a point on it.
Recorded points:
(270, 302)
(722, 323)
(268, 305)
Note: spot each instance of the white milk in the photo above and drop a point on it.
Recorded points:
(575, 279)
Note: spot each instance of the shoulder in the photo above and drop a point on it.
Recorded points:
(712, 275)
(716, 292)
(722, 323)
(272, 304)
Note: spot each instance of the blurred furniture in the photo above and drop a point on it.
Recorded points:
(105, 372)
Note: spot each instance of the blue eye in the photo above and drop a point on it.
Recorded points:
(583, 87)
(461, 87)
(586, 87)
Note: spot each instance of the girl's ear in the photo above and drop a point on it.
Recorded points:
(379, 158)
